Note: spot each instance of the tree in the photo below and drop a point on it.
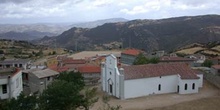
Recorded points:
(154, 60)
(207, 63)
(75, 78)
(2, 58)
(54, 52)
(60, 95)
(1, 52)
(141, 59)
(67, 93)
(89, 98)
(21, 103)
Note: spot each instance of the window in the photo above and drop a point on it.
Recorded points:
(16, 65)
(185, 86)
(110, 88)
(110, 73)
(48, 78)
(4, 89)
(159, 87)
(20, 65)
(193, 86)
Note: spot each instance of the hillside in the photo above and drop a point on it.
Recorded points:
(164, 34)
(24, 49)
(210, 49)
(27, 35)
(94, 24)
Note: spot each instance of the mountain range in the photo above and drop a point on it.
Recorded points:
(39, 30)
(161, 34)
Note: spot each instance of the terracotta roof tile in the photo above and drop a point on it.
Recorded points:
(168, 58)
(74, 61)
(216, 67)
(155, 70)
(58, 68)
(89, 69)
(133, 52)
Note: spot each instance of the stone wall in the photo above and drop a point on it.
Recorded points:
(214, 79)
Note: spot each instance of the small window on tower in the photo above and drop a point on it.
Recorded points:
(110, 73)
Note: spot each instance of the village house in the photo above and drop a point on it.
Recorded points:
(10, 83)
(38, 80)
(215, 69)
(156, 54)
(142, 80)
(216, 60)
(52, 61)
(17, 63)
(169, 59)
(73, 64)
(199, 59)
(128, 56)
(91, 74)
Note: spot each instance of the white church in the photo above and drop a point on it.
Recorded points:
(142, 80)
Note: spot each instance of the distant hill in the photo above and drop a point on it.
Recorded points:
(164, 34)
(210, 49)
(50, 28)
(24, 49)
(27, 35)
(93, 24)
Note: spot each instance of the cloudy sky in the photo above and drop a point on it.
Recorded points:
(55, 11)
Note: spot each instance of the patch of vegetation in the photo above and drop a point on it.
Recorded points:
(141, 59)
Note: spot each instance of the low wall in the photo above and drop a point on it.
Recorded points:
(212, 79)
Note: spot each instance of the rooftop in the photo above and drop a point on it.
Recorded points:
(8, 71)
(89, 69)
(58, 68)
(168, 58)
(216, 67)
(45, 73)
(155, 70)
(133, 52)
(88, 54)
(9, 61)
(74, 61)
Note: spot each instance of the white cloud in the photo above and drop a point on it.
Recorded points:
(77, 10)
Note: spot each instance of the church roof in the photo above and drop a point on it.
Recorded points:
(156, 70)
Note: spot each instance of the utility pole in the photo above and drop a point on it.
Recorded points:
(76, 46)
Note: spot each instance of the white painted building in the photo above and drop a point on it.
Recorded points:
(10, 83)
(17, 63)
(142, 80)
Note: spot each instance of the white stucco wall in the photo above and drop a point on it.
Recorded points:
(16, 86)
(146, 86)
(189, 83)
(200, 80)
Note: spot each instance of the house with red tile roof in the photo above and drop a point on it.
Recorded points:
(170, 59)
(199, 59)
(90, 73)
(142, 80)
(215, 69)
(128, 56)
